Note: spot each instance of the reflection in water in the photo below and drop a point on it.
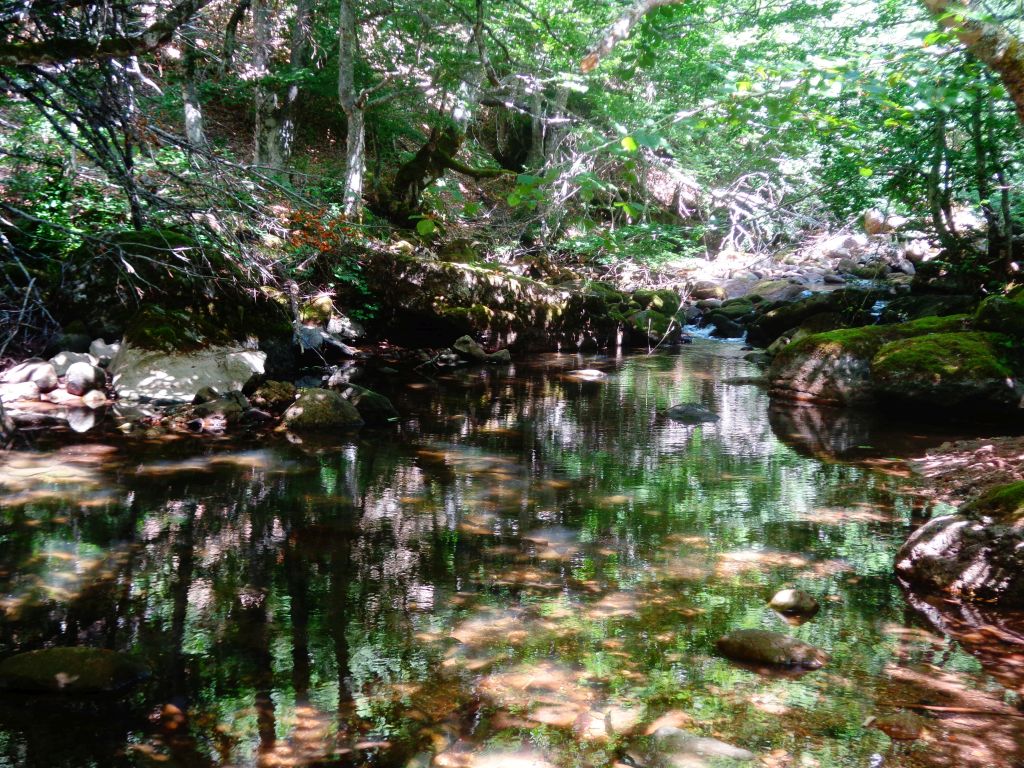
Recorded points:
(532, 570)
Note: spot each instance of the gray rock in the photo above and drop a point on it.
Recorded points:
(64, 360)
(206, 395)
(691, 413)
(39, 372)
(374, 407)
(176, 377)
(23, 390)
(95, 399)
(230, 407)
(71, 671)
(83, 377)
(103, 352)
(759, 646)
(469, 349)
(681, 747)
(321, 410)
(345, 328)
(794, 602)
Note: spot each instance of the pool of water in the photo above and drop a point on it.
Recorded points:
(527, 570)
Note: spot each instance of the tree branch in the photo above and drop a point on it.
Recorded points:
(620, 30)
(58, 50)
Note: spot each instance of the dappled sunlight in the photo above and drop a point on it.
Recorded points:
(538, 571)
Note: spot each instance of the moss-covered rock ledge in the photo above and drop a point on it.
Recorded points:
(425, 301)
(934, 362)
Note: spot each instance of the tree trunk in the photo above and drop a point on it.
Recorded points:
(355, 143)
(990, 42)
(355, 163)
(194, 130)
(936, 192)
(265, 146)
(285, 134)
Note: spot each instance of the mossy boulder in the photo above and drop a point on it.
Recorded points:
(965, 370)
(1002, 314)
(373, 407)
(852, 305)
(71, 671)
(651, 326)
(663, 300)
(834, 368)
(977, 554)
(321, 410)
(274, 396)
(736, 309)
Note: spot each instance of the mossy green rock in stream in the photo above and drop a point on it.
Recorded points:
(967, 370)
(664, 301)
(1002, 314)
(373, 407)
(651, 326)
(906, 308)
(976, 554)
(852, 305)
(759, 646)
(321, 410)
(835, 368)
(71, 671)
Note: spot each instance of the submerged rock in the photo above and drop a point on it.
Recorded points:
(71, 671)
(794, 601)
(901, 726)
(671, 747)
(977, 554)
(321, 410)
(759, 646)
(691, 413)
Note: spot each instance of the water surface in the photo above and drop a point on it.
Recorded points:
(527, 570)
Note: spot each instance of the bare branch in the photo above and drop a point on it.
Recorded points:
(620, 30)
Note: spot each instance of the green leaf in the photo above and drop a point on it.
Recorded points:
(866, 172)
(426, 227)
(471, 209)
(629, 144)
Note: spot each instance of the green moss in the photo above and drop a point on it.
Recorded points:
(942, 357)
(1002, 502)
(1002, 314)
(867, 340)
(653, 324)
(317, 310)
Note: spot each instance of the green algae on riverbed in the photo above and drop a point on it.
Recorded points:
(526, 565)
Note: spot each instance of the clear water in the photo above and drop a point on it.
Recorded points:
(528, 570)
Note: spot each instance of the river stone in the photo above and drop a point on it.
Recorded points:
(24, 390)
(468, 348)
(71, 671)
(671, 747)
(64, 360)
(83, 377)
(902, 726)
(759, 646)
(103, 352)
(374, 407)
(39, 372)
(321, 410)
(691, 413)
(176, 377)
(230, 406)
(794, 601)
(274, 396)
(977, 554)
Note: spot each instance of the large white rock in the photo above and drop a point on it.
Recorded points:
(175, 377)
